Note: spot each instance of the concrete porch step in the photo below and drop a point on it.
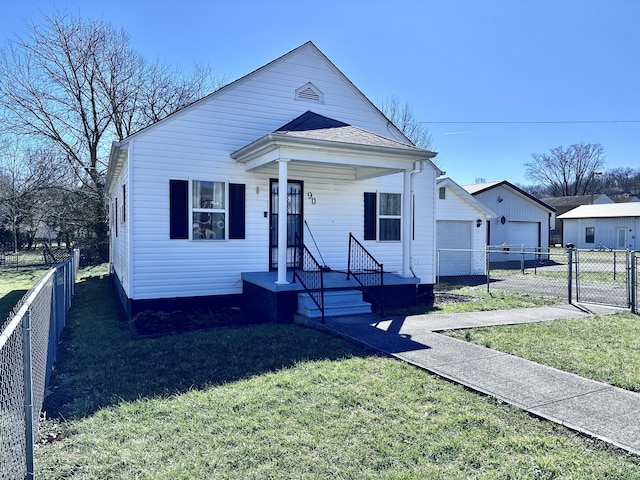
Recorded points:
(337, 303)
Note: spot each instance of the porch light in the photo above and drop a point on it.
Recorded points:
(478, 222)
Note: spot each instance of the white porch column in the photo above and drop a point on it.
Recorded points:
(407, 222)
(282, 220)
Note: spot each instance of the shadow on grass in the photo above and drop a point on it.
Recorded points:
(101, 365)
(8, 301)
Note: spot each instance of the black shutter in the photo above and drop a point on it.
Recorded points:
(236, 210)
(369, 216)
(178, 209)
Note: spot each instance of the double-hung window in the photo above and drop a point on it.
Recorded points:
(389, 216)
(382, 216)
(206, 210)
(209, 201)
(589, 235)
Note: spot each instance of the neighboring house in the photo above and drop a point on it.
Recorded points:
(564, 204)
(624, 198)
(611, 226)
(521, 219)
(461, 230)
(195, 197)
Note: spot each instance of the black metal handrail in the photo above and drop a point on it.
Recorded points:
(310, 274)
(367, 271)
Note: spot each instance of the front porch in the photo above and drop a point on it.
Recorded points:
(276, 302)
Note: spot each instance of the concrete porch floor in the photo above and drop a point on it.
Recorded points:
(333, 280)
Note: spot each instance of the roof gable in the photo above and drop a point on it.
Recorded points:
(478, 188)
(464, 195)
(308, 91)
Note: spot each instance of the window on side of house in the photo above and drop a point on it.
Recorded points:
(442, 193)
(124, 203)
(389, 217)
(209, 214)
(589, 234)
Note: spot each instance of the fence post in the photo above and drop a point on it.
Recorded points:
(28, 394)
(438, 269)
(487, 261)
(569, 274)
(634, 285)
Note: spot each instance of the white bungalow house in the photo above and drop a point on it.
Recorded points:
(611, 226)
(195, 198)
(521, 222)
(461, 230)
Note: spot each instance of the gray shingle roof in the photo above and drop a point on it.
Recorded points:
(318, 127)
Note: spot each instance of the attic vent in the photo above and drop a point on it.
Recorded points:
(310, 93)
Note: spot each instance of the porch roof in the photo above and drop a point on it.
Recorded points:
(319, 139)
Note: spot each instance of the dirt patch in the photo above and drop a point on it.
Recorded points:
(444, 298)
(152, 324)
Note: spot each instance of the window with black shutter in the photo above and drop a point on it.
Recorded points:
(178, 209)
(236, 211)
(370, 215)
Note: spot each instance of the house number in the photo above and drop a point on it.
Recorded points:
(311, 197)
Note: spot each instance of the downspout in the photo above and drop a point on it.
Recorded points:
(414, 172)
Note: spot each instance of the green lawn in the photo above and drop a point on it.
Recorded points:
(14, 283)
(279, 401)
(603, 348)
(478, 299)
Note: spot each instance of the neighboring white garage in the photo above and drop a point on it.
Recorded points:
(521, 219)
(461, 231)
(453, 235)
(523, 233)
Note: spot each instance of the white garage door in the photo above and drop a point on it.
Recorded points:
(453, 235)
(526, 233)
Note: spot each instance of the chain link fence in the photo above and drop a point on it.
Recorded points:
(600, 277)
(28, 350)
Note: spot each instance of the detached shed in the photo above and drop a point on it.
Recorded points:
(461, 232)
(603, 226)
(521, 219)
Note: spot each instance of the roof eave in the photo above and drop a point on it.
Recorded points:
(272, 141)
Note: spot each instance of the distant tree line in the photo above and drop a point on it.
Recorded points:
(68, 88)
(578, 170)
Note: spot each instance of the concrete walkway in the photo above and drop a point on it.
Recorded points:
(593, 408)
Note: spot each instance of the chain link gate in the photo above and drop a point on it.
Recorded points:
(599, 277)
(604, 277)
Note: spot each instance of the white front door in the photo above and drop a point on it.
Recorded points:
(621, 238)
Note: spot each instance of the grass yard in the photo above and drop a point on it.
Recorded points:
(458, 299)
(279, 401)
(14, 283)
(603, 348)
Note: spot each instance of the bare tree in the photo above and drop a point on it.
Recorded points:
(404, 119)
(25, 178)
(76, 84)
(621, 180)
(567, 171)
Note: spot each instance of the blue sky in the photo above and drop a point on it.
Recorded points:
(503, 73)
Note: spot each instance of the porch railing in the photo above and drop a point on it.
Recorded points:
(367, 271)
(310, 273)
